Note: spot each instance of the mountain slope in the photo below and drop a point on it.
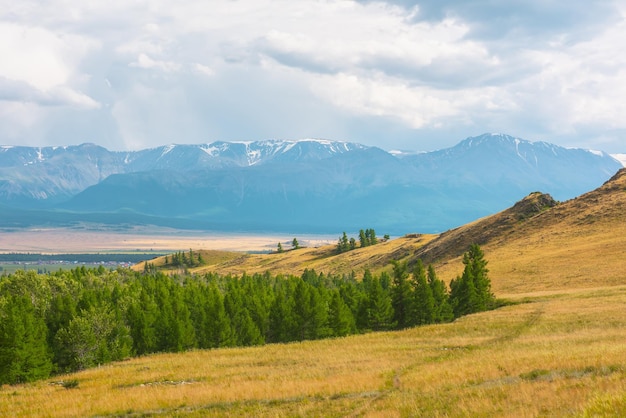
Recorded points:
(310, 186)
(514, 167)
(575, 244)
(42, 176)
(537, 244)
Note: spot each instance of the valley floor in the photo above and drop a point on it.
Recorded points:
(61, 240)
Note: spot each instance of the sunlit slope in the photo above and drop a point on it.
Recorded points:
(538, 244)
(579, 243)
(556, 355)
(323, 259)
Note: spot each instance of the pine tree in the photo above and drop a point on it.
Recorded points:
(471, 292)
(219, 329)
(141, 316)
(343, 244)
(295, 244)
(363, 239)
(310, 312)
(280, 248)
(401, 295)
(340, 316)
(282, 323)
(424, 305)
(443, 311)
(372, 237)
(24, 351)
(379, 309)
(474, 261)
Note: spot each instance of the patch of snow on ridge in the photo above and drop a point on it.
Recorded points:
(596, 152)
(517, 142)
(287, 146)
(621, 158)
(215, 148)
(254, 156)
(167, 149)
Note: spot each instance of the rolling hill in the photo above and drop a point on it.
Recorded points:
(531, 245)
(555, 349)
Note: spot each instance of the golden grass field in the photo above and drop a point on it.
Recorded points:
(558, 348)
(555, 354)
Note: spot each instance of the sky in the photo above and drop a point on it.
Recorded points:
(409, 75)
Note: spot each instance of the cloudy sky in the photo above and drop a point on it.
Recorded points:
(413, 75)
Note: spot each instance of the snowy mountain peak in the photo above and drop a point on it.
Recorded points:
(491, 138)
(527, 150)
(248, 153)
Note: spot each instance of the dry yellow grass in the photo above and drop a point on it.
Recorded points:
(557, 354)
(560, 350)
(578, 244)
(322, 259)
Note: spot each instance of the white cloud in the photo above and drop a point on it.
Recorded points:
(203, 69)
(419, 70)
(144, 61)
(38, 56)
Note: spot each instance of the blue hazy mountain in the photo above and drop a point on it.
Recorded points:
(301, 186)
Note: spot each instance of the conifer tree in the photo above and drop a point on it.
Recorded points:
(474, 261)
(192, 261)
(424, 305)
(282, 323)
(310, 312)
(363, 240)
(340, 317)
(141, 317)
(401, 295)
(471, 292)
(379, 309)
(343, 244)
(443, 311)
(372, 237)
(24, 353)
(219, 329)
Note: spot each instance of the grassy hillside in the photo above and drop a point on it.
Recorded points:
(323, 259)
(557, 354)
(580, 243)
(558, 349)
(538, 244)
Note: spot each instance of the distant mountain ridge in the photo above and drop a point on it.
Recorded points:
(31, 175)
(304, 185)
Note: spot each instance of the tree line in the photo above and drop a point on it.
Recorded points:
(367, 237)
(71, 320)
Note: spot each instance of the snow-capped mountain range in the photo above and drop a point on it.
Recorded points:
(305, 185)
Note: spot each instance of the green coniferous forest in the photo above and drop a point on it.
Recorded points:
(71, 320)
